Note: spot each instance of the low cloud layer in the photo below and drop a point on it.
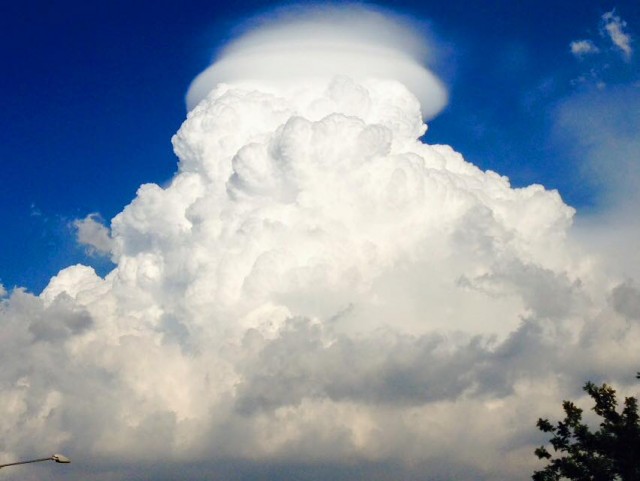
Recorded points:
(317, 292)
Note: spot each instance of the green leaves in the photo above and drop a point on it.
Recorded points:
(579, 454)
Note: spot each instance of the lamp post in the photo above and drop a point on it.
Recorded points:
(58, 458)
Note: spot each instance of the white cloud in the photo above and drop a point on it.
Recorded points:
(316, 287)
(319, 43)
(580, 48)
(614, 27)
(91, 232)
(598, 129)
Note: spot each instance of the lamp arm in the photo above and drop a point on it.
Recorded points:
(25, 462)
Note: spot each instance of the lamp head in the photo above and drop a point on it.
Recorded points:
(59, 458)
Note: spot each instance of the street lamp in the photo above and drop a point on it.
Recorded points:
(58, 458)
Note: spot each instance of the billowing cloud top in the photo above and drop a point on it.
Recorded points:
(323, 42)
(315, 288)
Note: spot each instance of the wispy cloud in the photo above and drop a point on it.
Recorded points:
(599, 127)
(608, 58)
(614, 28)
(579, 48)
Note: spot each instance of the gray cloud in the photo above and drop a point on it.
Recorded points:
(626, 300)
(387, 368)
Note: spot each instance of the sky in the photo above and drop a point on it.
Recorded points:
(93, 94)
(311, 241)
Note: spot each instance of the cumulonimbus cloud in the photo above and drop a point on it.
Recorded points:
(317, 287)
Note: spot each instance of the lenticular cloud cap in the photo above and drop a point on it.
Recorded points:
(318, 44)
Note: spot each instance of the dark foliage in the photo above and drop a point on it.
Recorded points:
(609, 453)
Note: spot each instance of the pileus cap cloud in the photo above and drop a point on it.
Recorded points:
(321, 43)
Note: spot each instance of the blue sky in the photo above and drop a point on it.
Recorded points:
(93, 92)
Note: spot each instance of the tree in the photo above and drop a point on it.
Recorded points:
(610, 453)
